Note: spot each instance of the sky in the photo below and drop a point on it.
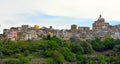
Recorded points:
(57, 13)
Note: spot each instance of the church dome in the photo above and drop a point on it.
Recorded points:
(36, 27)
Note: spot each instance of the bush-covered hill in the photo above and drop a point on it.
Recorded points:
(55, 51)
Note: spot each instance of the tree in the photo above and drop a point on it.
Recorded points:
(109, 43)
(76, 48)
(23, 60)
(92, 62)
(83, 60)
(69, 56)
(50, 61)
(58, 57)
(79, 57)
(1, 54)
(101, 60)
(48, 37)
(12, 62)
(26, 53)
(87, 48)
(98, 45)
(117, 48)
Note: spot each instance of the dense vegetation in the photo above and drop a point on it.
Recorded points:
(56, 51)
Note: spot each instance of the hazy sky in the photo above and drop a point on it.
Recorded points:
(58, 13)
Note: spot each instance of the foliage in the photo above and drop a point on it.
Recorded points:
(77, 48)
(79, 57)
(109, 43)
(1, 55)
(58, 52)
(12, 62)
(102, 45)
(69, 56)
(50, 61)
(58, 57)
(101, 59)
(117, 48)
(24, 60)
(87, 48)
(98, 45)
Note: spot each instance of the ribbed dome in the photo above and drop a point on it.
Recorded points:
(36, 27)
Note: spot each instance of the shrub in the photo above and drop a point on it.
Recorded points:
(50, 61)
(58, 57)
(12, 62)
(117, 48)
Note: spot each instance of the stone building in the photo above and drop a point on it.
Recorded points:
(83, 28)
(10, 34)
(100, 23)
(73, 28)
(24, 28)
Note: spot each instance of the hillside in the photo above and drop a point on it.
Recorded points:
(56, 51)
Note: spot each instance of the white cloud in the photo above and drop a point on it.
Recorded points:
(13, 12)
(72, 8)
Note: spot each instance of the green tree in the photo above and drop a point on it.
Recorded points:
(50, 61)
(12, 62)
(69, 56)
(87, 48)
(26, 53)
(101, 60)
(23, 60)
(48, 37)
(117, 48)
(109, 43)
(92, 62)
(79, 57)
(98, 45)
(1, 54)
(58, 57)
(83, 60)
(76, 48)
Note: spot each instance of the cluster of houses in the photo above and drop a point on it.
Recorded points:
(100, 29)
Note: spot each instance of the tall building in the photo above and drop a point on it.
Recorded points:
(100, 23)
(74, 28)
(51, 27)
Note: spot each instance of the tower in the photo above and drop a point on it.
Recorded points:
(74, 28)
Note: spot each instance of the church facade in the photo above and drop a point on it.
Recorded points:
(100, 23)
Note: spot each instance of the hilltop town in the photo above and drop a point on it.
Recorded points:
(78, 45)
(100, 29)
